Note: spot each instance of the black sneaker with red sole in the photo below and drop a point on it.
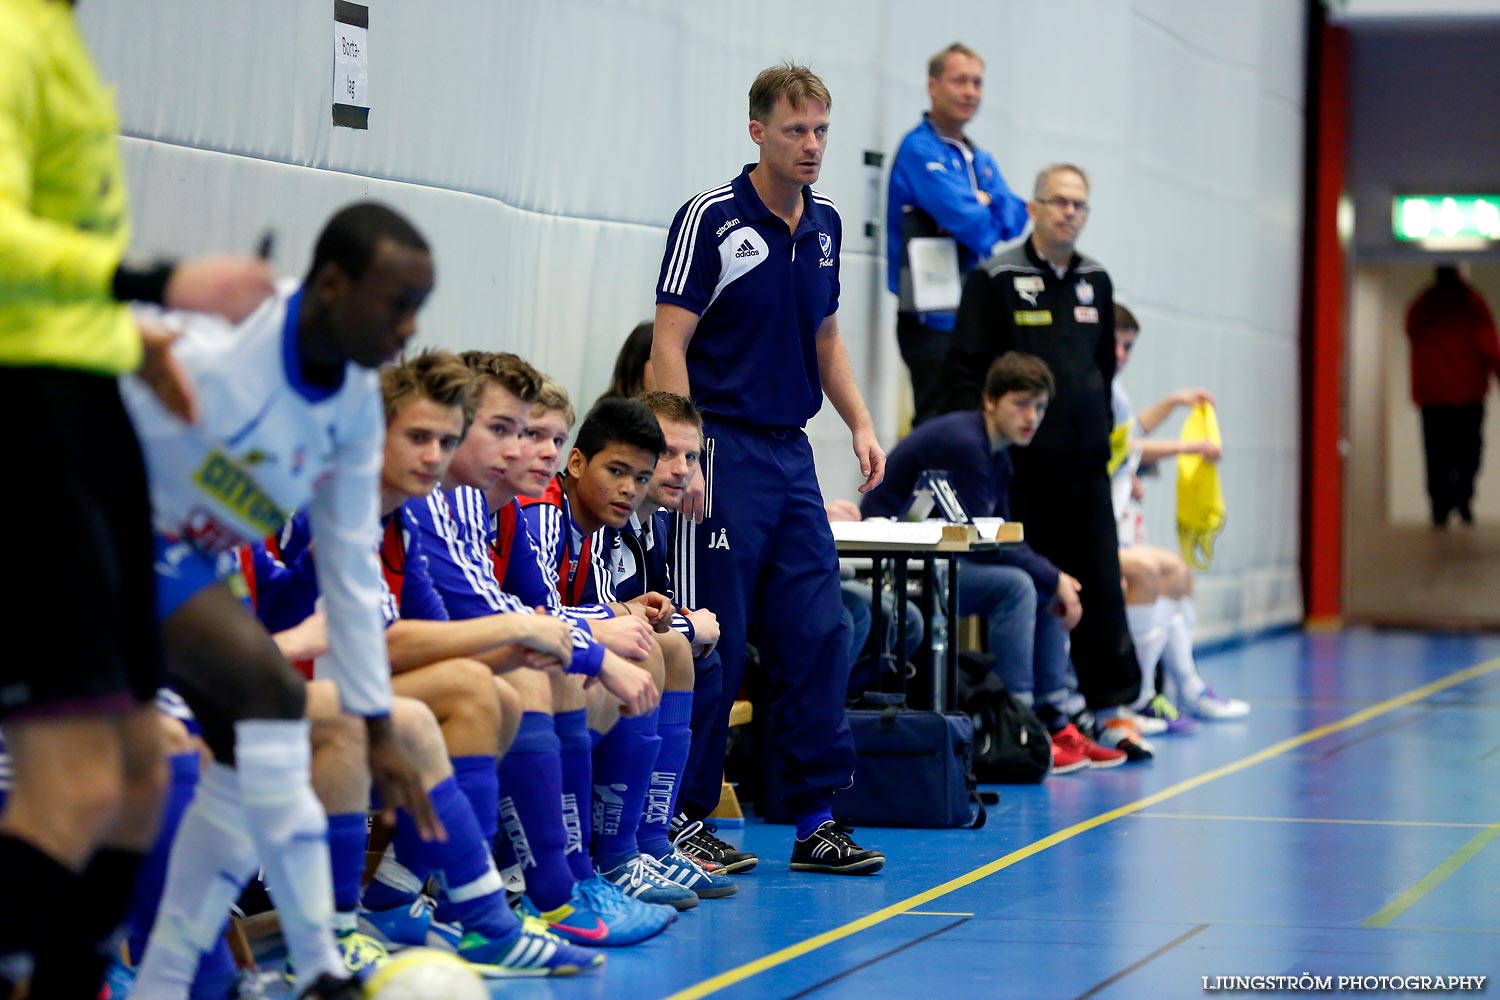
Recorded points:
(696, 839)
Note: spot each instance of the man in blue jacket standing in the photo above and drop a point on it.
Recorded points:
(943, 190)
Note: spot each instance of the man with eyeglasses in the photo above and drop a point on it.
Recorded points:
(946, 197)
(1044, 298)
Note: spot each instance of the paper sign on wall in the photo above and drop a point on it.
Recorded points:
(351, 64)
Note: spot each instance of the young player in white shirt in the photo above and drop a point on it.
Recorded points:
(291, 415)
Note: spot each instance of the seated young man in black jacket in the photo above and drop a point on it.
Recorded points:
(1028, 603)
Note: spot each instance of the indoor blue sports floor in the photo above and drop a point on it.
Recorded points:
(1343, 829)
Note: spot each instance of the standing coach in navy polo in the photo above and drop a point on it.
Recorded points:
(747, 325)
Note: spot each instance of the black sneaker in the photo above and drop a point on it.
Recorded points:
(696, 839)
(1084, 720)
(831, 850)
(332, 988)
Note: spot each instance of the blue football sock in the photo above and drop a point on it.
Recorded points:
(217, 971)
(622, 770)
(152, 877)
(416, 855)
(480, 783)
(348, 834)
(501, 848)
(674, 726)
(807, 824)
(531, 811)
(577, 787)
(474, 895)
(392, 886)
(217, 974)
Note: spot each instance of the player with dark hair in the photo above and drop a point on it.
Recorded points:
(292, 415)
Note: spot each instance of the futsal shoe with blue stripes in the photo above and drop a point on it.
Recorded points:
(641, 877)
(410, 926)
(688, 873)
(533, 951)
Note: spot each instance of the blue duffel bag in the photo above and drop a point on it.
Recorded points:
(916, 769)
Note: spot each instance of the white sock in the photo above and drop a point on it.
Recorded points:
(290, 830)
(211, 845)
(1150, 639)
(1178, 656)
(487, 884)
(394, 875)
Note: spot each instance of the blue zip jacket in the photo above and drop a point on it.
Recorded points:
(932, 192)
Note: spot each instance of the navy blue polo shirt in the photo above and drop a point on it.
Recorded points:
(760, 293)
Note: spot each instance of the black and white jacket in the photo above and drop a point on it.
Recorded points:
(1016, 301)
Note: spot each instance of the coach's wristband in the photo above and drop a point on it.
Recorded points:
(133, 284)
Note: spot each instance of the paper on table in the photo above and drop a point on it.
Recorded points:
(989, 527)
(913, 533)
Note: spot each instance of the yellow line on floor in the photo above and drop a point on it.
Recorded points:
(1305, 819)
(1433, 879)
(754, 968)
(1431, 929)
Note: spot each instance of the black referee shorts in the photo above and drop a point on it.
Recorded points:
(79, 590)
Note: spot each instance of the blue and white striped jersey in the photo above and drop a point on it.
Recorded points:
(454, 527)
(636, 560)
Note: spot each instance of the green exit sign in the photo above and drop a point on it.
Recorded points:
(1446, 217)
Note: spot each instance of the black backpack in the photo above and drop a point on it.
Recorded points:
(1011, 746)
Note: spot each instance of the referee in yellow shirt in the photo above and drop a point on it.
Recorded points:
(78, 717)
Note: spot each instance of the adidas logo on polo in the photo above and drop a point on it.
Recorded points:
(746, 250)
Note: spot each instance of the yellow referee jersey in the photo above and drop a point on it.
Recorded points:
(63, 217)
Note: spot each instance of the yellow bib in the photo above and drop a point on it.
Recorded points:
(1119, 446)
(1200, 498)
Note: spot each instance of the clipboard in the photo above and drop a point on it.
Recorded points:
(935, 282)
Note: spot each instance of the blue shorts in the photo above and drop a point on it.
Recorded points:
(182, 570)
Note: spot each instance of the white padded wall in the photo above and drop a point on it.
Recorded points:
(543, 148)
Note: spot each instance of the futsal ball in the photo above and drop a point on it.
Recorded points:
(425, 974)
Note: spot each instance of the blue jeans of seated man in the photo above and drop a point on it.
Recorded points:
(858, 598)
(856, 614)
(1029, 645)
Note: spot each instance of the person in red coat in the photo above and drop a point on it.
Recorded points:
(1454, 351)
